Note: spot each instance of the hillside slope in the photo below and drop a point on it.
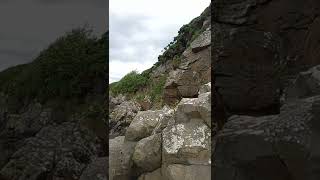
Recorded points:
(52, 111)
(160, 126)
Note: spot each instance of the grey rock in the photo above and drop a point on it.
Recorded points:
(147, 153)
(57, 151)
(192, 172)
(187, 143)
(120, 162)
(199, 108)
(201, 42)
(97, 170)
(155, 175)
(143, 125)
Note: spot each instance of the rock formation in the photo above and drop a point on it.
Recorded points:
(166, 144)
(265, 89)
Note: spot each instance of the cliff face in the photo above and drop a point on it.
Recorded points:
(265, 92)
(51, 112)
(172, 142)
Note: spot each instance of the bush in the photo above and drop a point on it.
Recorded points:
(130, 83)
(69, 68)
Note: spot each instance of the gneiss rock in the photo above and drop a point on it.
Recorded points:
(147, 153)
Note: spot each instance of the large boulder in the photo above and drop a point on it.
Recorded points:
(121, 117)
(120, 159)
(187, 143)
(192, 172)
(248, 70)
(275, 147)
(202, 42)
(143, 125)
(147, 153)
(199, 108)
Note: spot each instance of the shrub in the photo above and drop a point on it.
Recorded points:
(130, 83)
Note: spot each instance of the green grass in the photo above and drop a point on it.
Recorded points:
(129, 84)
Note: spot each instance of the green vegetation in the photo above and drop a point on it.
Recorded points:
(68, 69)
(129, 84)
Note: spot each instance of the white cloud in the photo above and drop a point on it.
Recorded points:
(140, 29)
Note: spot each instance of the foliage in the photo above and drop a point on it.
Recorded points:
(68, 68)
(130, 83)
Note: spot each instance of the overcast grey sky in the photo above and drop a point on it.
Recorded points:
(140, 29)
(28, 26)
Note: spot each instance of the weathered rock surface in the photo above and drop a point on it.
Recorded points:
(61, 151)
(269, 147)
(121, 117)
(306, 84)
(193, 172)
(147, 153)
(187, 143)
(120, 162)
(97, 170)
(199, 108)
(155, 175)
(143, 124)
(192, 73)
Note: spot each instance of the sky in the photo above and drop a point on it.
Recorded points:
(29, 26)
(140, 29)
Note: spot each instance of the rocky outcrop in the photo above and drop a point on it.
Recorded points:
(194, 71)
(167, 144)
(265, 98)
(121, 117)
(97, 170)
(57, 151)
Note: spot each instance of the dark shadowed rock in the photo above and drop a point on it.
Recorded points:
(97, 170)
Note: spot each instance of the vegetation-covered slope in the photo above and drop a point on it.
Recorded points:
(70, 68)
(143, 86)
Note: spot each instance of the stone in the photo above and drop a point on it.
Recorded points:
(270, 147)
(147, 153)
(120, 162)
(165, 119)
(307, 84)
(205, 88)
(56, 151)
(121, 117)
(97, 170)
(143, 125)
(155, 175)
(199, 108)
(201, 42)
(187, 143)
(248, 71)
(192, 172)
